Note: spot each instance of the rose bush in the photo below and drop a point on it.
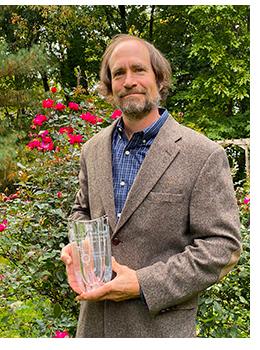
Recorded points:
(35, 299)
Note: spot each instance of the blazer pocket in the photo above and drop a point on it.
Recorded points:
(165, 197)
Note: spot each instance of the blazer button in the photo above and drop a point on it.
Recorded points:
(116, 241)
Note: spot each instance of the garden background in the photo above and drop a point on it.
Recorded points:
(49, 106)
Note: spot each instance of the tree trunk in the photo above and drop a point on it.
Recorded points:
(45, 82)
(123, 18)
(151, 23)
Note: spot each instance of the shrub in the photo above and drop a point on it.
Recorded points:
(36, 300)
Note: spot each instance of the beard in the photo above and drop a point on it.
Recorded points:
(137, 107)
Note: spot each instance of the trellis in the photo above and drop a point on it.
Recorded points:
(243, 143)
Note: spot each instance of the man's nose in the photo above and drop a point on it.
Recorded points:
(129, 81)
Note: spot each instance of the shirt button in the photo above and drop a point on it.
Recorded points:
(127, 153)
(122, 183)
(118, 215)
(144, 141)
(116, 241)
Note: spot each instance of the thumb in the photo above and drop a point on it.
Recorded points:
(115, 265)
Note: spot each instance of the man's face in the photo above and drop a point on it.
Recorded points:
(134, 87)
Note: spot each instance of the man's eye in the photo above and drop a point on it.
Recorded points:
(116, 74)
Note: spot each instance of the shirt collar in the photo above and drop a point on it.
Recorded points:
(152, 130)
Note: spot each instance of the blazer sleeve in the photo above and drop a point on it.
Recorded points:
(80, 209)
(215, 228)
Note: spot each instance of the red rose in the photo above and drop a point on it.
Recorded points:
(3, 225)
(35, 143)
(47, 103)
(92, 119)
(75, 138)
(116, 114)
(60, 334)
(59, 106)
(74, 106)
(39, 119)
(66, 130)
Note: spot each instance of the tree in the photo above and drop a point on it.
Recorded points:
(208, 47)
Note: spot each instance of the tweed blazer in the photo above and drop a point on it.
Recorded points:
(179, 229)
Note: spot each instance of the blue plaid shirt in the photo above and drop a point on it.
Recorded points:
(127, 156)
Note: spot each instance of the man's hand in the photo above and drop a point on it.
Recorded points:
(124, 286)
(74, 277)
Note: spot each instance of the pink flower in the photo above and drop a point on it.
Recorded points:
(33, 144)
(60, 334)
(43, 133)
(47, 103)
(3, 225)
(75, 138)
(246, 200)
(47, 139)
(74, 106)
(2, 277)
(59, 106)
(59, 194)
(116, 114)
(66, 130)
(11, 197)
(53, 89)
(46, 145)
(39, 119)
(92, 119)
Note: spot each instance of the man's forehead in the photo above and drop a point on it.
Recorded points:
(134, 50)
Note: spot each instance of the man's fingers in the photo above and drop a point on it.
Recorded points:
(65, 256)
(97, 294)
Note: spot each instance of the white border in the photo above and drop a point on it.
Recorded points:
(198, 343)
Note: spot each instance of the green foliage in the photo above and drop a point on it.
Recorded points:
(20, 72)
(224, 309)
(207, 46)
(8, 147)
(32, 318)
(35, 297)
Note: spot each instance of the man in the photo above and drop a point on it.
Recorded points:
(169, 197)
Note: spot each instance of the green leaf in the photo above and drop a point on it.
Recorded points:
(57, 310)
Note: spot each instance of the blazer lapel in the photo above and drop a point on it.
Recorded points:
(103, 172)
(161, 154)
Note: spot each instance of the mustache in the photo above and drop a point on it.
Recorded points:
(130, 92)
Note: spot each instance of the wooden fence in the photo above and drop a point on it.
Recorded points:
(243, 143)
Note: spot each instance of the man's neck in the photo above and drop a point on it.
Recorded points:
(134, 125)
